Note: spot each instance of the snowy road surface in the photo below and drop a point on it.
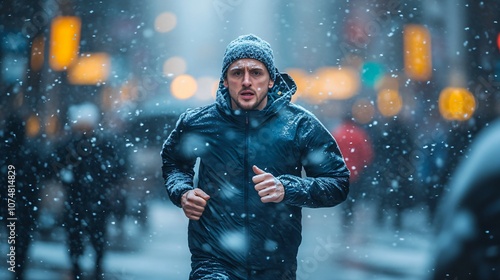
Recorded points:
(159, 251)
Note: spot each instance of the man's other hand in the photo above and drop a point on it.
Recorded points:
(193, 203)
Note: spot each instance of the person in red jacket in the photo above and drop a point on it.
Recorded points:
(356, 147)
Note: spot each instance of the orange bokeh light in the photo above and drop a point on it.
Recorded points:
(183, 87)
(90, 69)
(64, 42)
(456, 103)
(417, 52)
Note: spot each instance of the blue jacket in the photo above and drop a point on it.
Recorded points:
(283, 139)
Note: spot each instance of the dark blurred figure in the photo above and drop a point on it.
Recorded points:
(23, 159)
(88, 168)
(357, 150)
(392, 173)
(26, 163)
(437, 162)
(116, 128)
(468, 236)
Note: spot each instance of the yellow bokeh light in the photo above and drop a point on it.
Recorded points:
(183, 87)
(174, 66)
(335, 83)
(64, 41)
(32, 126)
(389, 102)
(456, 103)
(91, 69)
(417, 52)
(165, 22)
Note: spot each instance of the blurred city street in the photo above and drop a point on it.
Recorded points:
(91, 90)
(160, 251)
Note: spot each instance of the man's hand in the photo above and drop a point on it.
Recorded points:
(267, 186)
(193, 203)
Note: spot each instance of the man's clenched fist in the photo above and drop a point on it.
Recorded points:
(267, 186)
(193, 203)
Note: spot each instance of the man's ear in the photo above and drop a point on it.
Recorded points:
(225, 83)
(271, 83)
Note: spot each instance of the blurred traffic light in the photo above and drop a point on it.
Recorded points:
(417, 52)
(64, 41)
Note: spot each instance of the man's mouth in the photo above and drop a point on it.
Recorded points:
(247, 94)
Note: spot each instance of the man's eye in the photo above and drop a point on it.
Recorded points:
(256, 73)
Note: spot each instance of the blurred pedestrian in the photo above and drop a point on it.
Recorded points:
(468, 233)
(356, 147)
(393, 171)
(23, 169)
(253, 143)
(87, 166)
(116, 128)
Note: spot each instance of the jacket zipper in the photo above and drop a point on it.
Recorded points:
(247, 222)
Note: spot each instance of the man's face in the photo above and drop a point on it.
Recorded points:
(248, 82)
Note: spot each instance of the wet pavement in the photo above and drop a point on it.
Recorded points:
(328, 251)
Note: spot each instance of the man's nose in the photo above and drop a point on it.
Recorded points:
(246, 79)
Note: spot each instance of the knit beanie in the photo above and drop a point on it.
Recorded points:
(249, 46)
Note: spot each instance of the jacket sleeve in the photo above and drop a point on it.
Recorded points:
(177, 166)
(326, 182)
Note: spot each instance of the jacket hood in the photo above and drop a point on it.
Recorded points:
(278, 96)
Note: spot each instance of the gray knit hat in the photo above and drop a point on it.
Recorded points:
(249, 46)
